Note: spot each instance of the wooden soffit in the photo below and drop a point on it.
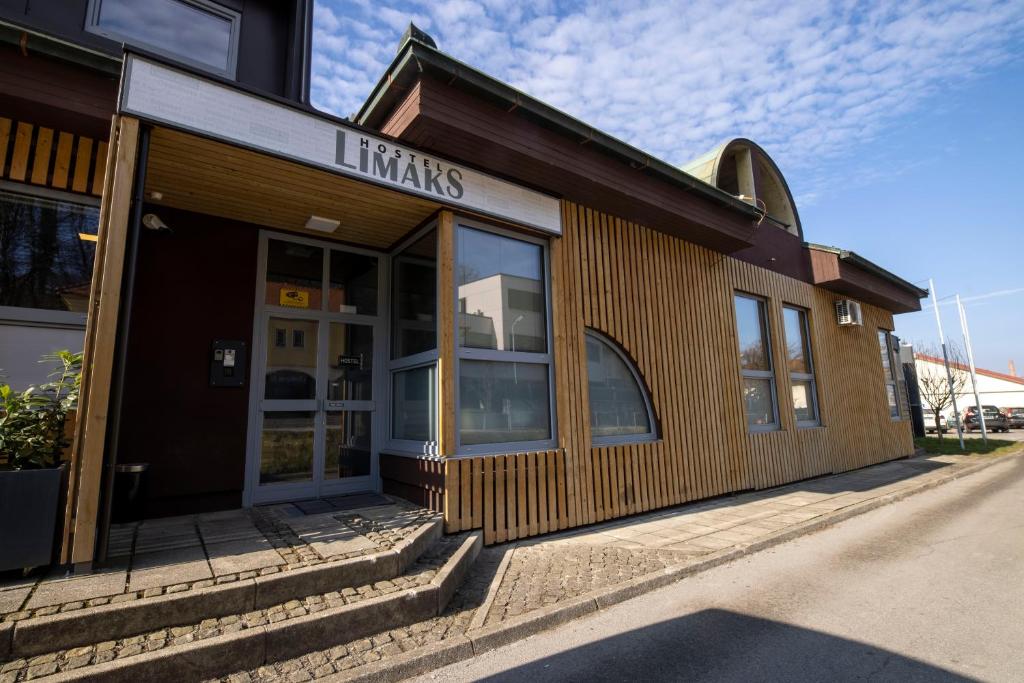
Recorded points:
(443, 118)
(197, 174)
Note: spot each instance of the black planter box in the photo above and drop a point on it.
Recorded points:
(28, 516)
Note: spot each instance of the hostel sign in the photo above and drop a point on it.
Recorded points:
(166, 95)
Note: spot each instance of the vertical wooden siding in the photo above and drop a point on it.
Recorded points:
(48, 158)
(668, 303)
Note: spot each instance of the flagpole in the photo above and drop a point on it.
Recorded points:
(945, 360)
(970, 359)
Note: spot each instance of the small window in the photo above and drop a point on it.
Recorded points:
(280, 338)
(756, 363)
(889, 373)
(196, 32)
(800, 366)
(298, 339)
(620, 409)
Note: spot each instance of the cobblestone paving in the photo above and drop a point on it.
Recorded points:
(538, 576)
(419, 574)
(455, 620)
(294, 552)
(560, 567)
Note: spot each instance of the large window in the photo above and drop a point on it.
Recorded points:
(198, 32)
(503, 350)
(889, 369)
(46, 253)
(620, 411)
(756, 363)
(800, 366)
(414, 344)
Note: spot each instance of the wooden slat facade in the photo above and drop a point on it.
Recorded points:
(45, 157)
(669, 304)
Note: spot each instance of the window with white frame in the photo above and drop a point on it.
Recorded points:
(800, 366)
(414, 344)
(620, 408)
(889, 369)
(503, 350)
(198, 32)
(756, 363)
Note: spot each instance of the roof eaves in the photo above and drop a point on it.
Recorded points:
(418, 53)
(869, 266)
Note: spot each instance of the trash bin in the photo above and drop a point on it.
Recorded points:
(129, 492)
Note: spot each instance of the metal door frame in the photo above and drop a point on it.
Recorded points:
(256, 493)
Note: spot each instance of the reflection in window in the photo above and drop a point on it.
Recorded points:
(353, 287)
(44, 260)
(191, 30)
(294, 275)
(801, 370)
(286, 447)
(756, 363)
(886, 347)
(503, 402)
(618, 403)
(350, 362)
(349, 450)
(413, 404)
(414, 345)
(415, 298)
(501, 293)
(291, 371)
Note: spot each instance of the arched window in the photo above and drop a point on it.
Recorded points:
(620, 410)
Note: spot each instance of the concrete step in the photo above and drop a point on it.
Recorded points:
(252, 638)
(36, 635)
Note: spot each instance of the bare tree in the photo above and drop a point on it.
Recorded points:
(934, 383)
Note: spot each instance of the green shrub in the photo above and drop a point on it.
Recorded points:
(32, 421)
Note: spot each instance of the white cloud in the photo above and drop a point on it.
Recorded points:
(807, 80)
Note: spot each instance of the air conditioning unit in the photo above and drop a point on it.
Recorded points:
(848, 313)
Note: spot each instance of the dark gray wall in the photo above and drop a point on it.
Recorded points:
(270, 45)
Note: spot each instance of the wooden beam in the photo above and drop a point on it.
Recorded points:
(41, 163)
(19, 159)
(5, 139)
(87, 353)
(446, 338)
(62, 166)
(101, 333)
(80, 180)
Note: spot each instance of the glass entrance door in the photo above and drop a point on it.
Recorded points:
(313, 430)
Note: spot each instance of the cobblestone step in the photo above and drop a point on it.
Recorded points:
(253, 638)
(43, 632)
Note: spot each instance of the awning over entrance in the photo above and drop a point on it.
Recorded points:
(198, 174)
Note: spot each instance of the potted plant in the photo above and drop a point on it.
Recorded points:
(32, 439)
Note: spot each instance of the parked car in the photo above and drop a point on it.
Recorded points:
(1015, 417)
(929, 424)
(995, 420)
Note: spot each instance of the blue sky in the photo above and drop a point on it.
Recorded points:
(898, 125)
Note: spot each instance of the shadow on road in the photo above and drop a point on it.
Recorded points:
(719, 645)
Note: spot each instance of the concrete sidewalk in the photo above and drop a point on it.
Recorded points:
(520, 589)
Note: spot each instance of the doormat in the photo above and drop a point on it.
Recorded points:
(340, 503)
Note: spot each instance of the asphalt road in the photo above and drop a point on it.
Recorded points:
(927, 589)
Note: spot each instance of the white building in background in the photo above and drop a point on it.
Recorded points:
(994, 388)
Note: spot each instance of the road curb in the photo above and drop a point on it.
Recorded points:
(491, 637)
